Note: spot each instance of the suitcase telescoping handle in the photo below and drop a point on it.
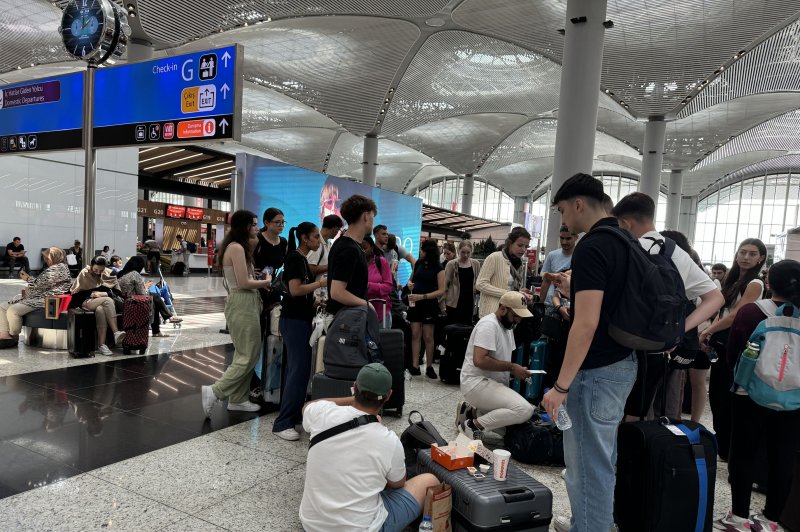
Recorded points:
(517, 494)
(383, 303)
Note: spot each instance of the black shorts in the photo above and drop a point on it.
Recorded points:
(648, 379)
(425, 311)
(701, 361)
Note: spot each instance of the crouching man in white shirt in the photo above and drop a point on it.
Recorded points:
(356, 479)
(489, 403)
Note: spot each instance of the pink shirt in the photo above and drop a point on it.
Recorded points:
(380, 285)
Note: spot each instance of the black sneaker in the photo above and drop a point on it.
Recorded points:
(431, 373)
(415, 372)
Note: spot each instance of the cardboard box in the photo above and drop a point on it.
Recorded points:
(452, 456)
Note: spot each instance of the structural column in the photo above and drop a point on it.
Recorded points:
(521, 207)
(467, 193)
(687, 221)
(653, 157)
(580, 90)
(370, 164)
(674, 199)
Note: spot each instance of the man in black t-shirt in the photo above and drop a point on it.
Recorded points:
(15, 253)
(597, 372)
(347, 266)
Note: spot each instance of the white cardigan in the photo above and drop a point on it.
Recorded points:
(493, 281)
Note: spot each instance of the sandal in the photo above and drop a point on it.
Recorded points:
(160, 335)
(175, 319)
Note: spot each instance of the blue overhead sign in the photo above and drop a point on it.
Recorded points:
(185, 98)
(41, 115)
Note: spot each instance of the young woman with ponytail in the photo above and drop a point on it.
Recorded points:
(297, 312)
(754, 425)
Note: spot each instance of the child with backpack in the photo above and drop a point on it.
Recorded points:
(754, 423)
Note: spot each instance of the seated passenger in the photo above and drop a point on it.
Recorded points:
(15, 253)
(131, 283)
(356, 480)
(92, 291)
(54, 280)
(115, 263)
(490, 404)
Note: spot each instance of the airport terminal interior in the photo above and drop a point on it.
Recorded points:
(461, 119)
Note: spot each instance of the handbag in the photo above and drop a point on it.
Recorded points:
(72, 260)
(555, 328)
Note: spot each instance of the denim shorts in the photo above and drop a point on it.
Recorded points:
(402, 508)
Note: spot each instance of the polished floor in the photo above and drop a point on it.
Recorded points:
(120, 443)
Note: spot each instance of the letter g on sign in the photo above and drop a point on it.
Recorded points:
(187, 73)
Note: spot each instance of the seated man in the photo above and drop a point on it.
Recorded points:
(15, 253)
(356, 479)
(490, 404)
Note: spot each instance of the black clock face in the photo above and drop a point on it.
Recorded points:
(82, 27)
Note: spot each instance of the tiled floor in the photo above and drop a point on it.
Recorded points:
(121, 443)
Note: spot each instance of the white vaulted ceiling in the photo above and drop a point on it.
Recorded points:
(472, 86)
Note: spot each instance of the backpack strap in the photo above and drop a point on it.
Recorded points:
(356, 422)
(767, 306)
(702, 474)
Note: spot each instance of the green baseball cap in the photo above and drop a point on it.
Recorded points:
(374, 378)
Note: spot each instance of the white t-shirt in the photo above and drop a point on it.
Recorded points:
(489, 334)
(695, 280)
(313, 257)
(345, 474)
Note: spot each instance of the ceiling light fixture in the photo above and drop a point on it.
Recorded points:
(578, 20)
(562, 31)
(608, 24)
(176, 161)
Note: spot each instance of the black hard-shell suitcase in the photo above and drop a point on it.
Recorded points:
(81, 333)
(456, 338)
(660, 487)
(323, 387)
(518, 503)
(392, 349)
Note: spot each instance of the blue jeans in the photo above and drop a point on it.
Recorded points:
(595, 404)
(296, 334)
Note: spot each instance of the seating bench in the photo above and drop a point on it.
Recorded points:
(53, 334)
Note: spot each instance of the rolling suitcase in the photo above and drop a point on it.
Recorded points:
(665, 477)
(323, 387)
(392, 349)
(271, 367)
(136, 324)
(532, 356)
(456, 338)
(81, 336)
(518, 503)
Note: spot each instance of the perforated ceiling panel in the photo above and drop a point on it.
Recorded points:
(28, 34)
(348, 154)
(520, 178)
(265, 109)
(621, 126)
(790, 163)
(299, 146)
(776, 134)
(656, 53)
(700, 179)
(180, 21)
(773, 66)
(633, 164)
(341, 66)
(456, 73)
(424, 176)
(392, 176)
(460, 142)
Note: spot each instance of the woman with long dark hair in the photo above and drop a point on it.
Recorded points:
(380, 284)
(427, 285)
(504, 271)
(740, 287)
(242, 312)
(460, 278)
(297, 312)
(271, 250)
(131, 283)
(754, 425)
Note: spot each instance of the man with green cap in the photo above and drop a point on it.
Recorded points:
(356, 479)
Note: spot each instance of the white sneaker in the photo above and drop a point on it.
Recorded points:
(473, 434)
(118, 337)
(462, 412)
(288, 435)
(209, 399)
(762, 523)
(564, 473)
(104, 350)
(561, 523)
(733, 523)
(245, 406)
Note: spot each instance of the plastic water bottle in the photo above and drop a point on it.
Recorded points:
(563, 422)
(426, 525)
(752, 350)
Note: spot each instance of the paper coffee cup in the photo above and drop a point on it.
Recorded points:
(500, 466)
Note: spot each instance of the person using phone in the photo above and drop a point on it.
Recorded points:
(15, 253)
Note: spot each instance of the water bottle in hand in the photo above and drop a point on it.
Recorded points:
(563, 422)
(426, 525)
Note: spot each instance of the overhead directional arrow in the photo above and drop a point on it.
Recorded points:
(225, 58)
(223, 124)
(225, 90)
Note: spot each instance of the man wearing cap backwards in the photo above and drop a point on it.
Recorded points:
(356, 480)
(490, 404)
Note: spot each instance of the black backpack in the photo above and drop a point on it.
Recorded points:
(651, 311)
(351, 343)
(419, 435)
(535, 442)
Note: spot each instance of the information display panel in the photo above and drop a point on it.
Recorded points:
(185, 98)
(175, 211)
(42, 115)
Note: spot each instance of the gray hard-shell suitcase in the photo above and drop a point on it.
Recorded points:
(518, 503)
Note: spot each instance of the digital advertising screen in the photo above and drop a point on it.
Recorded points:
(305, 195)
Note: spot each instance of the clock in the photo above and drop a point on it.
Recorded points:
(94, 30)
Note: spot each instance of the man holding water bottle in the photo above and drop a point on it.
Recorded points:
(489, 403)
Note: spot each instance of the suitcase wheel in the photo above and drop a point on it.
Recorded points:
(126, 350)
(399, 412)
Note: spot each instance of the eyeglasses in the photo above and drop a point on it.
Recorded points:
(282, 222)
